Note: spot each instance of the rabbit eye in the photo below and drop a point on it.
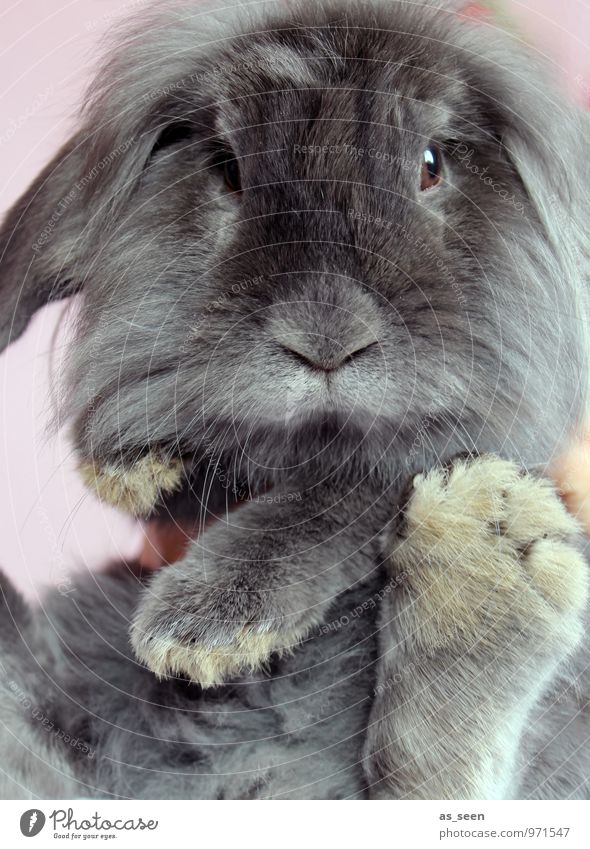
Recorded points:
(171, 135)
(231, 175)
(224, 160)
(431, 168)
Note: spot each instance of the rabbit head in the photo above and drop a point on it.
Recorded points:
(307, 234)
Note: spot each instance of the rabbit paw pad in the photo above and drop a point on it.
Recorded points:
(486, 553)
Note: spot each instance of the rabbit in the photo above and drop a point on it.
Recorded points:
(332, 261)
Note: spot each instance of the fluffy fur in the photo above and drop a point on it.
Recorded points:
(135, 488)
(307, 344)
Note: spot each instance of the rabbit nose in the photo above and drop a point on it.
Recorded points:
(324, 335)
(322, 357)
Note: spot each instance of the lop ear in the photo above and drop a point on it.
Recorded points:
(540, 130)
(50, 236)
(41, 241)
(550, 158)
(545, 141)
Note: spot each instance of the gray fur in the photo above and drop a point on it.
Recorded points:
(198, 308)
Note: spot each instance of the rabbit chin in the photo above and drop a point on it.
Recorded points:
(313, 417)
(310, 395)
(310, 439)
(298, 426)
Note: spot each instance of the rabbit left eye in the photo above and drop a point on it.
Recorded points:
(431, 174)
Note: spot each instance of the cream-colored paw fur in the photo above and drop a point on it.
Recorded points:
(210, 665)
(484, 549)
(135, 488)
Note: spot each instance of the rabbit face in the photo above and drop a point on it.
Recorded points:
(301, 234)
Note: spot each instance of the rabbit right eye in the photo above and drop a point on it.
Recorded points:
(431, 173)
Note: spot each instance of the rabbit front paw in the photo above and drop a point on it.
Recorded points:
(489, 560)
(209, 632)
(134, 488)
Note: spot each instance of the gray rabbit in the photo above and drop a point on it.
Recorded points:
(333, 262)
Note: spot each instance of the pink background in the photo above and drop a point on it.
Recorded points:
(49, 525)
